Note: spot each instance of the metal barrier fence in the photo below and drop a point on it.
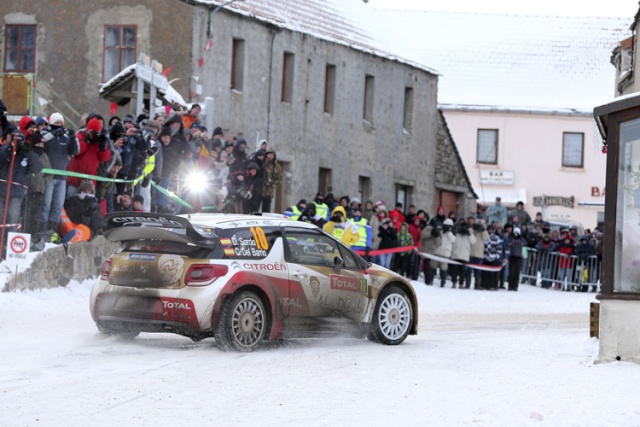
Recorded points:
(565, 272)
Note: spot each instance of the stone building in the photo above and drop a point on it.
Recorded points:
(345, 113)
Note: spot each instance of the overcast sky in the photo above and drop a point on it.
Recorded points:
(620, 8)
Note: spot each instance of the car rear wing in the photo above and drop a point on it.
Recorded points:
(128, 226)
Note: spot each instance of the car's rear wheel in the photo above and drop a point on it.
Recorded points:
(243, 322)
(392, 318)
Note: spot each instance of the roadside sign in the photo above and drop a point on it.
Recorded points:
(18, 249)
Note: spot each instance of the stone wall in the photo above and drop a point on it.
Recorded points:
(53, 268)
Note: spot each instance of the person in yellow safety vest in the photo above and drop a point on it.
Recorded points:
(295, 211)
(321, 207)
(341, 228)
(364, 235)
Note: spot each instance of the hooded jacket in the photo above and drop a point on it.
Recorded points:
(25, 164)
(87, 160)
(272, 175)
(174, 152)
(345, 230)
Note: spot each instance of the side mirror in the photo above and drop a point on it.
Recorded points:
(337, 264)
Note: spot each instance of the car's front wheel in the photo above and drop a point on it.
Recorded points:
(392, 318)
(243, 323)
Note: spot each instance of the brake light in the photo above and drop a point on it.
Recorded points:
(105, 270)
(201, 274)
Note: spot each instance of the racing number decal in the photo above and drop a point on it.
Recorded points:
(260, 238)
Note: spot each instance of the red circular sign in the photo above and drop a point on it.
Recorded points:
(18, 244)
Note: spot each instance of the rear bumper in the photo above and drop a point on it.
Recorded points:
(121, 312)
(123, 324)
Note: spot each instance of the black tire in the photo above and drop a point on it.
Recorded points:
(123, 335)
(243, 323)
(392, 317)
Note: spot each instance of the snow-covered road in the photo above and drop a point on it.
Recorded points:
(481, 358)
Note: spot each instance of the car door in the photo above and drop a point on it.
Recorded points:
(331, 292)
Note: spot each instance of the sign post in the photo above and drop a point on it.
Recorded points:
(18, 249)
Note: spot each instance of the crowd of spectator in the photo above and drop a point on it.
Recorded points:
(110, 165)
(492, 247)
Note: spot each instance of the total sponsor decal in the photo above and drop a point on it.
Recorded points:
(345, 283)
(179, 310)
(274, 266)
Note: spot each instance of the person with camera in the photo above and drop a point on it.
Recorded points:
(143, 146)
(93, 145)
(61, 146)
(461, 252)
(37, 185)
(17, 164)
(253, 184)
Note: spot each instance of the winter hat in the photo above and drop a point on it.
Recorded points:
(241, 141)
(448, 221)
(94, 124)
(36, 138)
(86, 185)
(154, 124)
(218, 131)
(165, 132)
(41, 121)
(138, 198)
(129, 118)
(56, 117)
(253, 165)
(216, 143)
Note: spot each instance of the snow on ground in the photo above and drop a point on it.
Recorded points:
(481, 359)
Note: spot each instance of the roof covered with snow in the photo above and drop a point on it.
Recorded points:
(538, 63)
(118, 89)
(347, 22)
(485, 61)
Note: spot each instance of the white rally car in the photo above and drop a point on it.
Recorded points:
(244, 279)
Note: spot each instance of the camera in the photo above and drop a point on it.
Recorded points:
(117, 131)
(245, 194)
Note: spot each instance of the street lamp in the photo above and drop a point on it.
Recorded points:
(212, 14)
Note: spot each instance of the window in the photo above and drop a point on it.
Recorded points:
(329, 88)
(312, 247)
(119, 49)
(407, 120)
(402, 194)
(364, 188)
(487, 146)
(20, 48)
(324, 180)
(287, 77)
(237, 64)
(368, 98)
(572, 150)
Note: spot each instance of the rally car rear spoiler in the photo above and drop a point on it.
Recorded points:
(127, 226)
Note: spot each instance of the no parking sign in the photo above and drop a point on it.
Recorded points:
(18, 249)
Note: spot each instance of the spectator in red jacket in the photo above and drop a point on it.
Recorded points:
(94, 149)
(565, 262)
(397, 217)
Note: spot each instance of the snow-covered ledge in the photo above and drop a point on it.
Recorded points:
(619, 331)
